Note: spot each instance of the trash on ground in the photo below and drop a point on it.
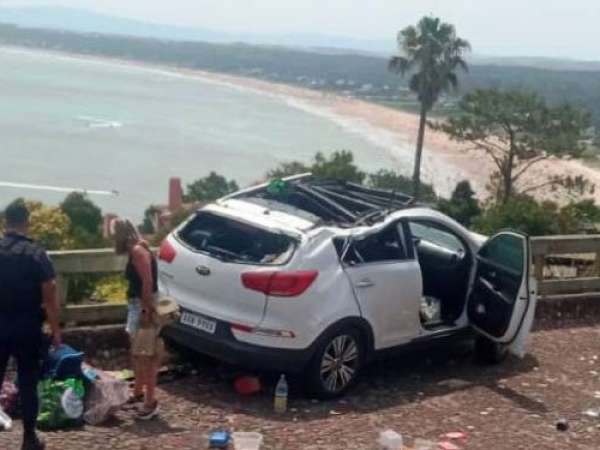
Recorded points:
(61, 404)
(219, 439)
(63, 363)
(424, 444)
(281, 395)
(122, 375)
(431, 310)
(247, 441)
(247, 385)
(592, 412)
(106, 395)
(390, 440)
(447, 445)
(456, 435)
(5, 421)
(562, 424)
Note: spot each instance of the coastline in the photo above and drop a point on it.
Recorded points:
(445, 162)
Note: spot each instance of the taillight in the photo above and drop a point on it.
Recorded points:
(167, 252)
(280, 284)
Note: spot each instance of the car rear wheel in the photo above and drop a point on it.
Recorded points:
(490, 352)
(336, 364)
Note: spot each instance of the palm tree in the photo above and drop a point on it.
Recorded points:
(432, 52)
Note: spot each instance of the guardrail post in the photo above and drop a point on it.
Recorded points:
(62, 289)
(539, 263)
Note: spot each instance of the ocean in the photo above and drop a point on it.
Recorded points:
(106, 126)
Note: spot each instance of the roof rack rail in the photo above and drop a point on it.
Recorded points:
(331, 200)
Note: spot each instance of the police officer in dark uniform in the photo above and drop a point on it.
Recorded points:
(27, 297)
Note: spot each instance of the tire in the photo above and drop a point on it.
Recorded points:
(489, 352)
(336, 364)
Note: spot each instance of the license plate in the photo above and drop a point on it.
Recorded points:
(199, 322)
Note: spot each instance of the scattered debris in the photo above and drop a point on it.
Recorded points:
(424, 444)
(247, 441)
(219, 439)
(456, 436)
(390, 440)
(5, 421)
(247, 385)
(562, 424)
(592, 412)
(447, 445)
(280, 401)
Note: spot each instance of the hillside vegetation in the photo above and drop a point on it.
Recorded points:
(357, 75)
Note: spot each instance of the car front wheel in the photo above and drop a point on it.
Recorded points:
(336, 364)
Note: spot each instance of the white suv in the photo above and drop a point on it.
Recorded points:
(320, 277)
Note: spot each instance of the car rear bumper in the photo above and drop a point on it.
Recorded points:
(223, 346)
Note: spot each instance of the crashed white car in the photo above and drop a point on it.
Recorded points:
(320, 277)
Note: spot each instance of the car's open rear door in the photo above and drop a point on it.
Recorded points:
(502, 302)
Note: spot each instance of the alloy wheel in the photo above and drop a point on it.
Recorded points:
(340, 363)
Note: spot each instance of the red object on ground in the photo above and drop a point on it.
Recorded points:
(247, 385)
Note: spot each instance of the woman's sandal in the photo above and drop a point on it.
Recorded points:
(133, 401)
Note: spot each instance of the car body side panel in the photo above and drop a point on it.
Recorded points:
(389, 295)
(328, 300)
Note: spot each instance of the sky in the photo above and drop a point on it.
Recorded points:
(551, 28)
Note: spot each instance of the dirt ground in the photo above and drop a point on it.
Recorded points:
(420, 395)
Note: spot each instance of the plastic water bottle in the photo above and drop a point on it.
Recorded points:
(5, 421)
(281, 395)
(390, 440)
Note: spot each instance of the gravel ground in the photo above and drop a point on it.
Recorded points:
(421, 395)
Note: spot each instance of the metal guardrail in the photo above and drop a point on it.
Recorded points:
(578, 251)
(546, 250)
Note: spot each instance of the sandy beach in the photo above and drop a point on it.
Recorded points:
(445, 162)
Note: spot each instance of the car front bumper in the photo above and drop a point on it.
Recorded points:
(223, 345)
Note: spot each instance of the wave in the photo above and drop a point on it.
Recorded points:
(42, 187)
(96, 122)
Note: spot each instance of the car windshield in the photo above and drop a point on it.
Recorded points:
(234, 241)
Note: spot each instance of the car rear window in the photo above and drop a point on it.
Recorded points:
(233, 241)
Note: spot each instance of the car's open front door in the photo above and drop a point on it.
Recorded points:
(502, 302)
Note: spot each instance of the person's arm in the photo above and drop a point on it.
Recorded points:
(142, 261)
(52, 310)
(50, 301)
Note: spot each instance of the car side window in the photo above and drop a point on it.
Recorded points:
(428, 232)
(378, 247)
(506, 250)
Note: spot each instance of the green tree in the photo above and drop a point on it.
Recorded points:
(390, 180)
(521, 213)
(86, 220)
(516, 131)
(147, 226)
(462, 205)
(339, 166)
(288, 169)
(50, 226)
(210, 188)
(175, 220)
(579, 217)
(432, 52)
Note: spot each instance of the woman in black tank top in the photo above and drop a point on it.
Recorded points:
(141, 273)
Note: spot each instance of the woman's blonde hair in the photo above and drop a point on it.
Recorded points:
(126, 234)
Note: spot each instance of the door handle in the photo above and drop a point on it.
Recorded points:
(365, 283)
